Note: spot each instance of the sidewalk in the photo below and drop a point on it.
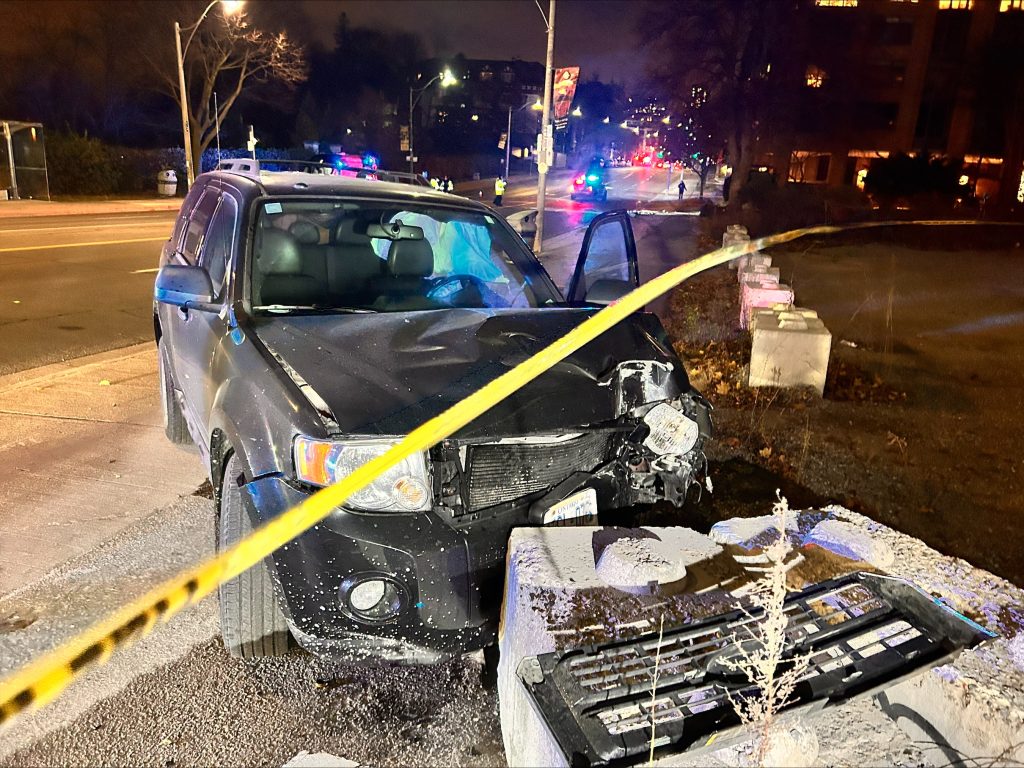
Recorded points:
(12, 209)
(83, 456)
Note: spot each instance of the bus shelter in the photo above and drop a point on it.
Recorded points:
(23, 161)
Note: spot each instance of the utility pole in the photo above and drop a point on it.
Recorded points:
(508, 143)
(186, 129)
(542, 167)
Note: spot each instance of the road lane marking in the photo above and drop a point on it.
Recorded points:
(83, 245)
(69, 227)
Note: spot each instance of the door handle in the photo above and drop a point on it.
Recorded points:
(183, 313)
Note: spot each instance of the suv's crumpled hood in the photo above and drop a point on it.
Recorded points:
(388, 373)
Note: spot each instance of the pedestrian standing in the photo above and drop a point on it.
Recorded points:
(682, 187)
(447, 185)
(499, 190)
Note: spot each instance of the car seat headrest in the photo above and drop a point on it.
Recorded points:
(306, 232)
(279, 253)
(410, 258)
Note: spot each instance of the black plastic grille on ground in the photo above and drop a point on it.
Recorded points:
(860, 633)
(500, 472)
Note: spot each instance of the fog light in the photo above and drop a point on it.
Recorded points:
(372, 598)
(365, 595)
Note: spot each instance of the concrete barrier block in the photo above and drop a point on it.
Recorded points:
(758, 273)
(754, 260)
(789, 348)
(734, 235)
(524, 222)
(559, 594)
(762, 295)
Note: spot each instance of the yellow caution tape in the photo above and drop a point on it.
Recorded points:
(46, 677)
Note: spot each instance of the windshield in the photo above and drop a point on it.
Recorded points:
(376, 256)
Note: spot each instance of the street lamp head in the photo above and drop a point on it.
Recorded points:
(606, 120)
(537, 106)
(231, 7)
(448, 79)
(577, 112)
(475, 118)
(666, 119)
(624, 124)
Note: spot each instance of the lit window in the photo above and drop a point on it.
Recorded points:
(1011, 5)
(1020, 189)
(956, 5)
(836, 3)
(815, 77)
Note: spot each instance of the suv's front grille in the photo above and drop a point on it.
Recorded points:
(500, 472)
(857, 633)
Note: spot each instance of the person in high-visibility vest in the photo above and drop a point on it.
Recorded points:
(435, 183)
(499, 189)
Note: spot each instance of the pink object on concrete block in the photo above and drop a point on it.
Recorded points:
(762, 296)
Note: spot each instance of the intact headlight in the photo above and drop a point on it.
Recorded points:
(405, 487)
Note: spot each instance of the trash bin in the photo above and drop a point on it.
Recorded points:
(167, 183)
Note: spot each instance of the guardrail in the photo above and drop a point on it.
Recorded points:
(45, 678)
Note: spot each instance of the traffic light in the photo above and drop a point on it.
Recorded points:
(661, 154)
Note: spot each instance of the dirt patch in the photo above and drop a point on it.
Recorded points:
(923, 407)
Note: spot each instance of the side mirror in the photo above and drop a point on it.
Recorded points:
(607, 291)
(184, 286)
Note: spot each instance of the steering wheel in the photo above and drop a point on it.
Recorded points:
(465, 281)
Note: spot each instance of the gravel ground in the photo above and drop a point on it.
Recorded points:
(176, 698)
(208, 709)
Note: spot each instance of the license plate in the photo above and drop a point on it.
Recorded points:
(575, 508)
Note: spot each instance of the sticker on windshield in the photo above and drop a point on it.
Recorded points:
(272, 208)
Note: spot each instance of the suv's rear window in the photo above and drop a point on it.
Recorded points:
(388, 257)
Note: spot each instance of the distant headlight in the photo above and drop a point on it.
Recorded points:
(405, 487)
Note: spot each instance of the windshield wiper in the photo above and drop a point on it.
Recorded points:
(285, 308)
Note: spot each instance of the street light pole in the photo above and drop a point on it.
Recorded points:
(229, 7)
(508, 143)
(542, 168)
(446, 78)
(186, 129)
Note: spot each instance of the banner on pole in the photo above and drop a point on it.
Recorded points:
(403, 138)
(565, 90)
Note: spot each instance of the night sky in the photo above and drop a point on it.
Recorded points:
(598, 35)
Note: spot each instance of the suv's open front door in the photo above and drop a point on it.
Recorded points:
(607, 266)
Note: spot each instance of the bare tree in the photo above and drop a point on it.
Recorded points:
(738, 51)
(226, 54)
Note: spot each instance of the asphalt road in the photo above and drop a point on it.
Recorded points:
(75, 285)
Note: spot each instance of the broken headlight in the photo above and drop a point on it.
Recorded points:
(403, 488)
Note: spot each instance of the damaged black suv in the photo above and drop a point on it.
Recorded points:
(305, 323)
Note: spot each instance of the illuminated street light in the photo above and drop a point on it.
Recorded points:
(577, 112)
(666, 119)
(475, 118)
(228, 7)
(537, 106)
(624, 124)
(606, 121)
(447, 79)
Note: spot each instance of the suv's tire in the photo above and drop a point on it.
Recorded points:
(174, 420)
(251, 621)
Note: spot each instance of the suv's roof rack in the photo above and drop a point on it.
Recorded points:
(245, 166)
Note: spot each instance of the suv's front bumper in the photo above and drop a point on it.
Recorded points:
(449, 579)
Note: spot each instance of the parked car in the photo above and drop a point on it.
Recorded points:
(306, 322)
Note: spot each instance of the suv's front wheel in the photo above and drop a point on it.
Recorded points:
(251, 622)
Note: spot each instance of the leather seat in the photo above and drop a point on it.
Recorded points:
(353, 267)
(314, 255)
(278, 277)
(410, 263)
